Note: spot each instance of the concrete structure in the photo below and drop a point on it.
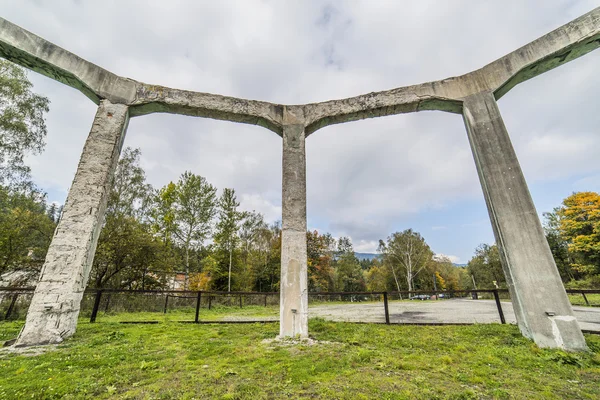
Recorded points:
(54, 307)
(528, 264)
(527, 261)
(294, 276)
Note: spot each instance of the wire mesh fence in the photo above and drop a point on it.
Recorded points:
(14, 303)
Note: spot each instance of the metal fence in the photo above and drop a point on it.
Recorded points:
(140, 306)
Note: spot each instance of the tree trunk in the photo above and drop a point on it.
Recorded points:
(395, 278)
(230, 257)
(187, 266)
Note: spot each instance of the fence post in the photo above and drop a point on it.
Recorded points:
(209, 302)
(502, 320)
(96, 306)
(240, 301)
(585, 298)
(11, 306)
(266, 300)
(107, 303)
(198, 307)
(166, 303)
(385, 306)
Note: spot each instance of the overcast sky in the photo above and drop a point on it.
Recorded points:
(366, 179)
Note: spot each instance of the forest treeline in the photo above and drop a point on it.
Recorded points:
(190, 228)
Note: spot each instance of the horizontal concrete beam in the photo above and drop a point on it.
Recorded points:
(31, 51)
(562, 45)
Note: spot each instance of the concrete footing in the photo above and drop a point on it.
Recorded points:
(294, 285)
(541, 305)
(54, 309)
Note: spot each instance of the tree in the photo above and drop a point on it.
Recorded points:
(22, 124)
(558, 245)
(485, 267)
(162, 212)
(579, 226)
(129, 256)
(376, 278)
(184, 212)
(130, 194)
(320, 251)
(266, 268)
(128, 253)
(407, 253)
(252, 226)
(348, 272)
(25, 230)
(226, 236)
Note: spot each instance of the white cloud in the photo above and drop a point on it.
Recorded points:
(452, 258)
(366, 246)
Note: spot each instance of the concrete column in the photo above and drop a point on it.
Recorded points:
(541, 305)
(54, 309)
(293, 287)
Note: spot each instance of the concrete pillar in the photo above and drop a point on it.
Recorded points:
(293, 287)
(54, 309)
(541, 305)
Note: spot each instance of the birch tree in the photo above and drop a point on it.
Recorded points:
(406, 253)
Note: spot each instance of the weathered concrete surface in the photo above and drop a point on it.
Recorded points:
(293, 286)
(541, 305)
(24, 48)
(55, 304)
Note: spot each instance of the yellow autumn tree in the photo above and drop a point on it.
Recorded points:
(579, 225)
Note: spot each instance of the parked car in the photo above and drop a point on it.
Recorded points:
(421, 297)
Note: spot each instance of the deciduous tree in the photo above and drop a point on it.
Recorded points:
(22, 123)
(406, 254)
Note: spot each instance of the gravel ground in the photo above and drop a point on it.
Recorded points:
(442, 311)
(457, 311)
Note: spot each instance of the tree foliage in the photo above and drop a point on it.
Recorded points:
(129, 255)
(226, 236)
(25, 230)
(485, 267)
(22, 123)
(406, 254)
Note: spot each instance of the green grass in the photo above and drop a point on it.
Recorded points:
(188, 361)
(217, 313)
(578, 300)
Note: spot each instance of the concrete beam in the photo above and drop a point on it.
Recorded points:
(294, 278)
(558, 47)
(54, 308)
(562, 45)
(150, 99)
(31, 51)
(541, 305)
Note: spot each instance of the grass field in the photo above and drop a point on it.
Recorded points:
(351, 361)
(578, 300)
(188, 314)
